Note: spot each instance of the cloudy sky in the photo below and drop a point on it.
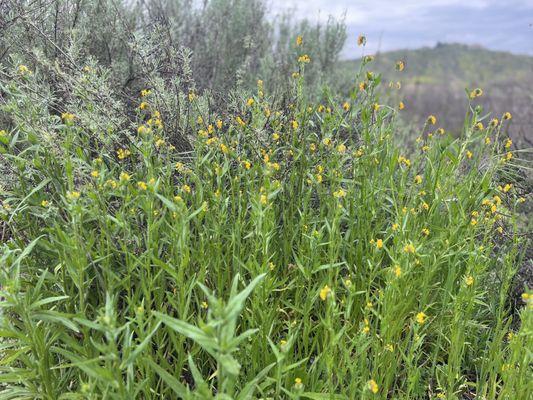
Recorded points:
(395, 24)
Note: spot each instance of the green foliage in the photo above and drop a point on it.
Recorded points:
(369, 271)
(241, 230)
(232, 43)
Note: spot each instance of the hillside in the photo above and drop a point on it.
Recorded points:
(459, 64)
(434, 82)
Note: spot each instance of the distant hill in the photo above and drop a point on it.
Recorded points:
(434, 82)
(459, 64)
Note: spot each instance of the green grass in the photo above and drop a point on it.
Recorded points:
(297, 252)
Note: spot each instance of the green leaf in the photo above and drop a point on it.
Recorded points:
(48, 300)
(236, 303)
(140, 348)
(323, 396)
(248, 390)
(177, 387)
(197, 376)
(56, 317)
(21, 204)
(167, 202)
(192, 332)
(230, 365)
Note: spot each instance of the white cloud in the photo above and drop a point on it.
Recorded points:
(391, 24)
(364, 11)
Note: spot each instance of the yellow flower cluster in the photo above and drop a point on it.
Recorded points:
(304, 59)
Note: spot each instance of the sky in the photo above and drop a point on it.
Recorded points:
(399, 24)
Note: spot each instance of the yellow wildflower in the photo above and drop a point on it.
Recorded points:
(23, 70)
(372, 386)
(123, 153)
(400, 65)
(240, 121)
(476, 93)
(142, 185)
(124, 177)
(404, 161)
(67, 117)
(298, 385)
(397, 271)
(73, 195)
(143, 129)
(421, 318)
(409, 248)
(339, 193)
(325, 292)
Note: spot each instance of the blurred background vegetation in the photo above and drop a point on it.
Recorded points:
(229, 44)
